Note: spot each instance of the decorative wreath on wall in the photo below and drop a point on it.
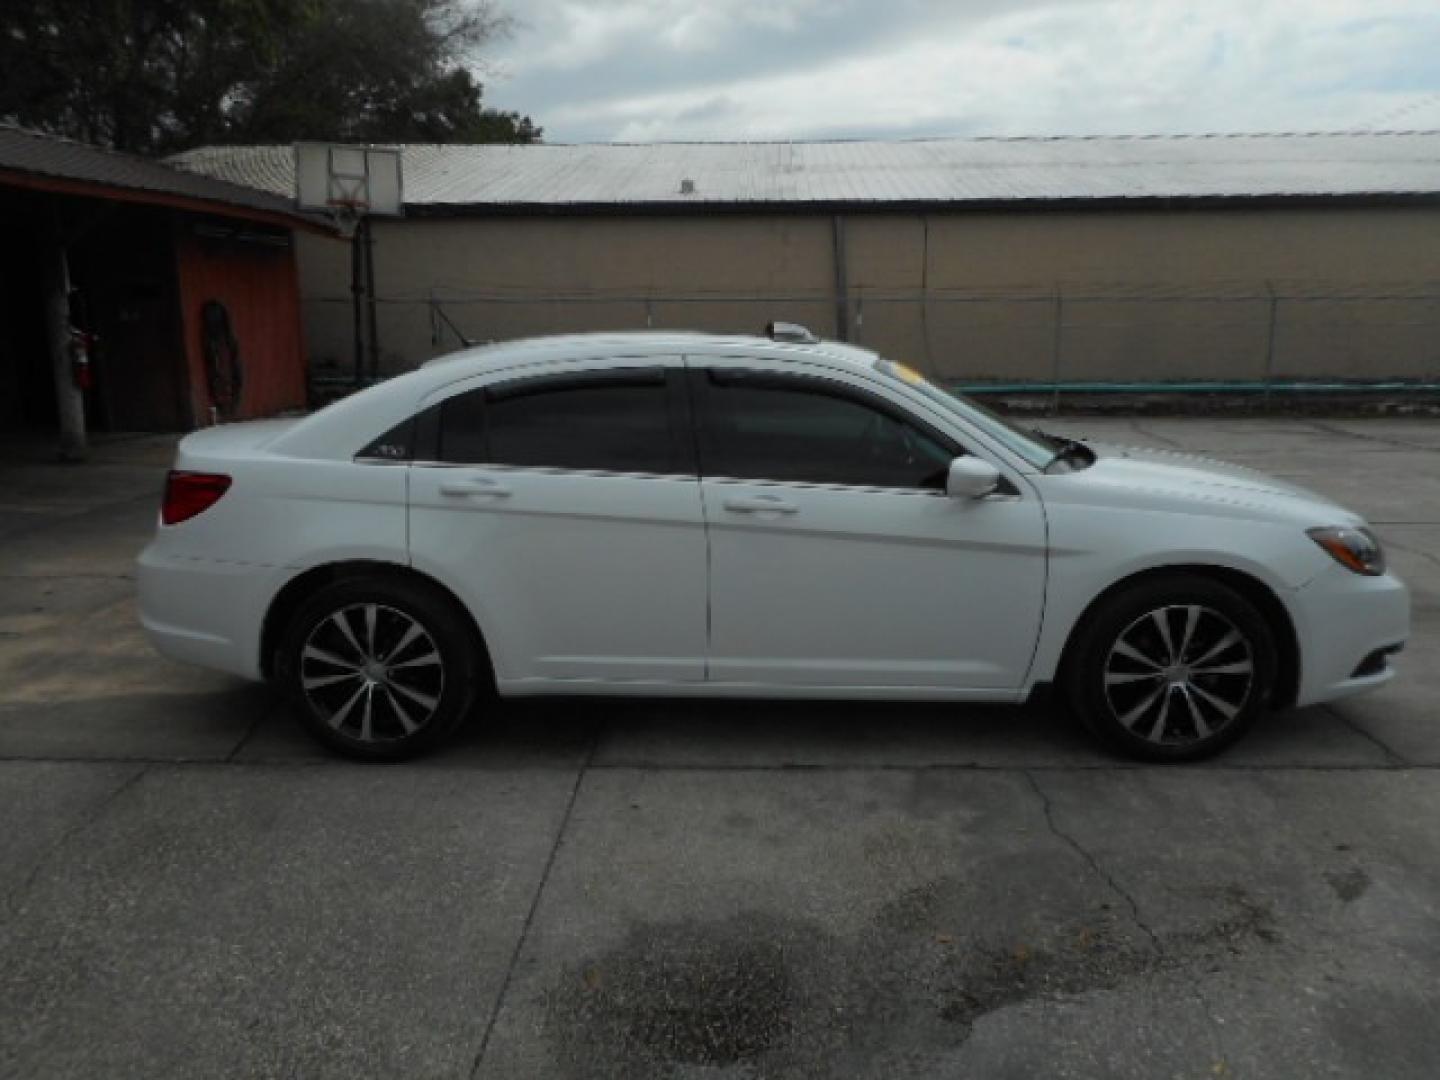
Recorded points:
(223, 371)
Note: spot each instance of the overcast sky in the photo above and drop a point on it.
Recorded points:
(648, 70)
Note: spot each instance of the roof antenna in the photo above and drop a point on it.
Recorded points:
(792, 332)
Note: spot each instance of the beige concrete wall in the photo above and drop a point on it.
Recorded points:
(1154, 295)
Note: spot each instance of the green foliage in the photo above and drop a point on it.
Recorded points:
(156, 76)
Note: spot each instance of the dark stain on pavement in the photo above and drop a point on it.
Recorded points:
(760, 995)
(1349, 885)
(681, 994)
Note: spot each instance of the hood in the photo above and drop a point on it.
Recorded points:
(1131, 475)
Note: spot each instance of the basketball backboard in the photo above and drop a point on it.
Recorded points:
(347, 179)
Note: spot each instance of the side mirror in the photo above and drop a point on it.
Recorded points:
(971, 478)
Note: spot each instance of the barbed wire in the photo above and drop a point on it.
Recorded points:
(860, 297)
(1386, 121)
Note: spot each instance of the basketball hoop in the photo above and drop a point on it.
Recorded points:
(348, 182)
(353, 184)
(347, 214)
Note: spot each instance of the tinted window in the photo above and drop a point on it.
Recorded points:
(462, 428)
(618, 423)
(397, 444)
(800, 430)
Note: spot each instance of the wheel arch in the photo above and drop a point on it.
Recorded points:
(1270, 606)
(304, 585)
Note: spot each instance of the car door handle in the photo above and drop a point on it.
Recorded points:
(474, 488)
(760, 504)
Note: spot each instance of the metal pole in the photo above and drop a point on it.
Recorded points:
(69, 398)
(1270, 342)
(925, 294)
(1055, 353)
(357, 297)
(370, 298)
(842, 300)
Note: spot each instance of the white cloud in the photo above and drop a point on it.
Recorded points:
(744, 69)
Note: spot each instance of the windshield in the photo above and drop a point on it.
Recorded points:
(1030, 445)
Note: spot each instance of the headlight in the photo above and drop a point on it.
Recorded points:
(1355, 549)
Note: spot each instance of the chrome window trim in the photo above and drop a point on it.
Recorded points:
(551, 470)
(807, 485)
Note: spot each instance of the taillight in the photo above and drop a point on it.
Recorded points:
(191, 493)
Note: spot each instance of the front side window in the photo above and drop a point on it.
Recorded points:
(1018, 440)
(804, 430)
(612, 422)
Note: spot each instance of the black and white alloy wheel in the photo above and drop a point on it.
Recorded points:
(1172, 669)
(1179, 673)
(380, 668)
(373, 672)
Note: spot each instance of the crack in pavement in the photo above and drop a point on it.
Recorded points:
(535, 902)
(13, 898)
(438, 765)
(1161, 953)
(1399, 444)
(1093, 862)
(67, 577)
(1135, 425)
(1394, 758)
(1391, 542)
(264, 716)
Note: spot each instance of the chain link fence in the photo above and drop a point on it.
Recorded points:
(1232, 338)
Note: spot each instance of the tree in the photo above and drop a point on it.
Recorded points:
(156, 76)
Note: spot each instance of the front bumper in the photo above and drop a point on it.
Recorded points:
(1342, 620)
(203, 612)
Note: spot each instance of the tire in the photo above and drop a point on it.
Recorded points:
(381, 668)
(1155, 682)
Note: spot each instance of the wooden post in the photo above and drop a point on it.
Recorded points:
(69, 398)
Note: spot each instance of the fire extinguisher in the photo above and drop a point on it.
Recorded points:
(82, 343)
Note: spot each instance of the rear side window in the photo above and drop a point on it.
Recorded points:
(803, 430)
(397, 444)
(612, 422)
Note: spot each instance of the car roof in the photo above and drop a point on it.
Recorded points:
(491, 357)
(332, 432)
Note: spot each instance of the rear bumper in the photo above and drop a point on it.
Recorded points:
(202, 612)
(1342, 620)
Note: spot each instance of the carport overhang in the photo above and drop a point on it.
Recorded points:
(89, 189)
(75, 204)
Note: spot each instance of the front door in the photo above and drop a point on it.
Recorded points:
(567, 506)
(836, 558)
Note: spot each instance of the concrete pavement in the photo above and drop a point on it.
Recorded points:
(671, 889)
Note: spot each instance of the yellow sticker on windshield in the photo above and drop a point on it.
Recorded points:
(909, 374)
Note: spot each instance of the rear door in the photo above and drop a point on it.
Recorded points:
(566, 505)
(837, 560)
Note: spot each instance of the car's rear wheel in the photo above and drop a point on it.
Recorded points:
(1174, 669)
(380, 668)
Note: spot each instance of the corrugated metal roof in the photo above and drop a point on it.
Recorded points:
(938, 170)
(43, 155)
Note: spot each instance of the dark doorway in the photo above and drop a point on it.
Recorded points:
(123, 270)
(123, 290)
(27, 388)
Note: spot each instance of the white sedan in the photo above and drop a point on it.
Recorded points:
(695, 515)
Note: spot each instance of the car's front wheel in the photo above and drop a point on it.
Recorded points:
(1174, 669)
(379, 668)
